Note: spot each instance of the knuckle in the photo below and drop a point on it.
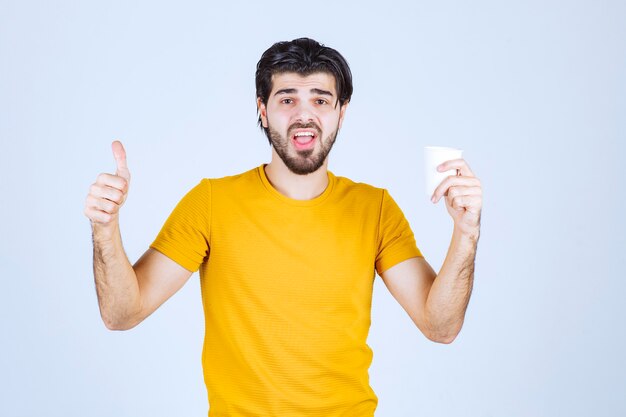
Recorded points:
(120, 183)
(117, 196)
(92, 201)
(111, 207)
(93, 215)
(104, 205)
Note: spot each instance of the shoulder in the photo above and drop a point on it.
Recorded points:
(247, 176)
(347, 185)
(360, 193)
(207, 186)
(238, 187)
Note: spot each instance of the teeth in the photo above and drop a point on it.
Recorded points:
(304, 134)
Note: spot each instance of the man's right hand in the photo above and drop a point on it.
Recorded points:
(127, 294)
(109, 192)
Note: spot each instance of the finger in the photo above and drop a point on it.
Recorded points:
(120, 159)
(109, 193)
(471, 203)
(98, 216)
(102, 204)
(114, 181)
(458, 164)
(458, 191)
(453, 181)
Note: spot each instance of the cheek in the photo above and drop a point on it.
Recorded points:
(276, 118)
(331, 122)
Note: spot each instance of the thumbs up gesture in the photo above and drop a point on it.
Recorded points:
(109, 192)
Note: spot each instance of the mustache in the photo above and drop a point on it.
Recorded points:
(309, 125)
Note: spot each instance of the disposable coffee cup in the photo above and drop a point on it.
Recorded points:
(433, 157)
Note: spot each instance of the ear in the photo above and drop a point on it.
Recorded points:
(262, 111)
(342, 112)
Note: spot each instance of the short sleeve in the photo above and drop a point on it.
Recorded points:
(396, 242)
(185, 235)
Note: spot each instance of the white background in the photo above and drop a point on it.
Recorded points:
(533, 91)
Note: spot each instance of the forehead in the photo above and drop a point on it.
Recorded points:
(303, 83)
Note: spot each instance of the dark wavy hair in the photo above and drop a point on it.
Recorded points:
(303, 56)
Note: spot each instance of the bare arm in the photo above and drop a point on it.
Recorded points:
(126, 294)
(437, 303)
(450, 294)
(116, 282)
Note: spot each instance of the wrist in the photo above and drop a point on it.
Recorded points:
(467, 233)
(104, 232)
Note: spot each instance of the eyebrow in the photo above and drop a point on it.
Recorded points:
(313, 90)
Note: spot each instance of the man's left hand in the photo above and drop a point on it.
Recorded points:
(464, 196)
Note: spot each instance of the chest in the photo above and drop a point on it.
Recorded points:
(294, 254)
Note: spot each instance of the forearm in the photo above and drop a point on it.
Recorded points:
(116, 283)
(450, 292)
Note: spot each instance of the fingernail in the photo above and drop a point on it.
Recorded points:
(432, 199)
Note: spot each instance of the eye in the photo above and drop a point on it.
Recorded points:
(286, 101)
(320, 101)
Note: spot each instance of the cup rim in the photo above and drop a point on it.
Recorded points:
(441, 148)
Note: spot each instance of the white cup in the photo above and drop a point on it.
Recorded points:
(433, 157)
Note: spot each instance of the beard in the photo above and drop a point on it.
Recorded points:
(304, 161)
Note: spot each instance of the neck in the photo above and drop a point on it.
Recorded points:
(297, 187)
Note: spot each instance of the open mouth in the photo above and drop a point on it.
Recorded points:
(304, 139)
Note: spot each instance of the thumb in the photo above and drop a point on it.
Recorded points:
(120, 160)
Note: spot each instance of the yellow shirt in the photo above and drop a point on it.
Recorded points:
(286, 291)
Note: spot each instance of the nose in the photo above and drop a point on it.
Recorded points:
(304, 113)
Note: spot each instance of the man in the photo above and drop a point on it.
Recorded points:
(287, 254)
